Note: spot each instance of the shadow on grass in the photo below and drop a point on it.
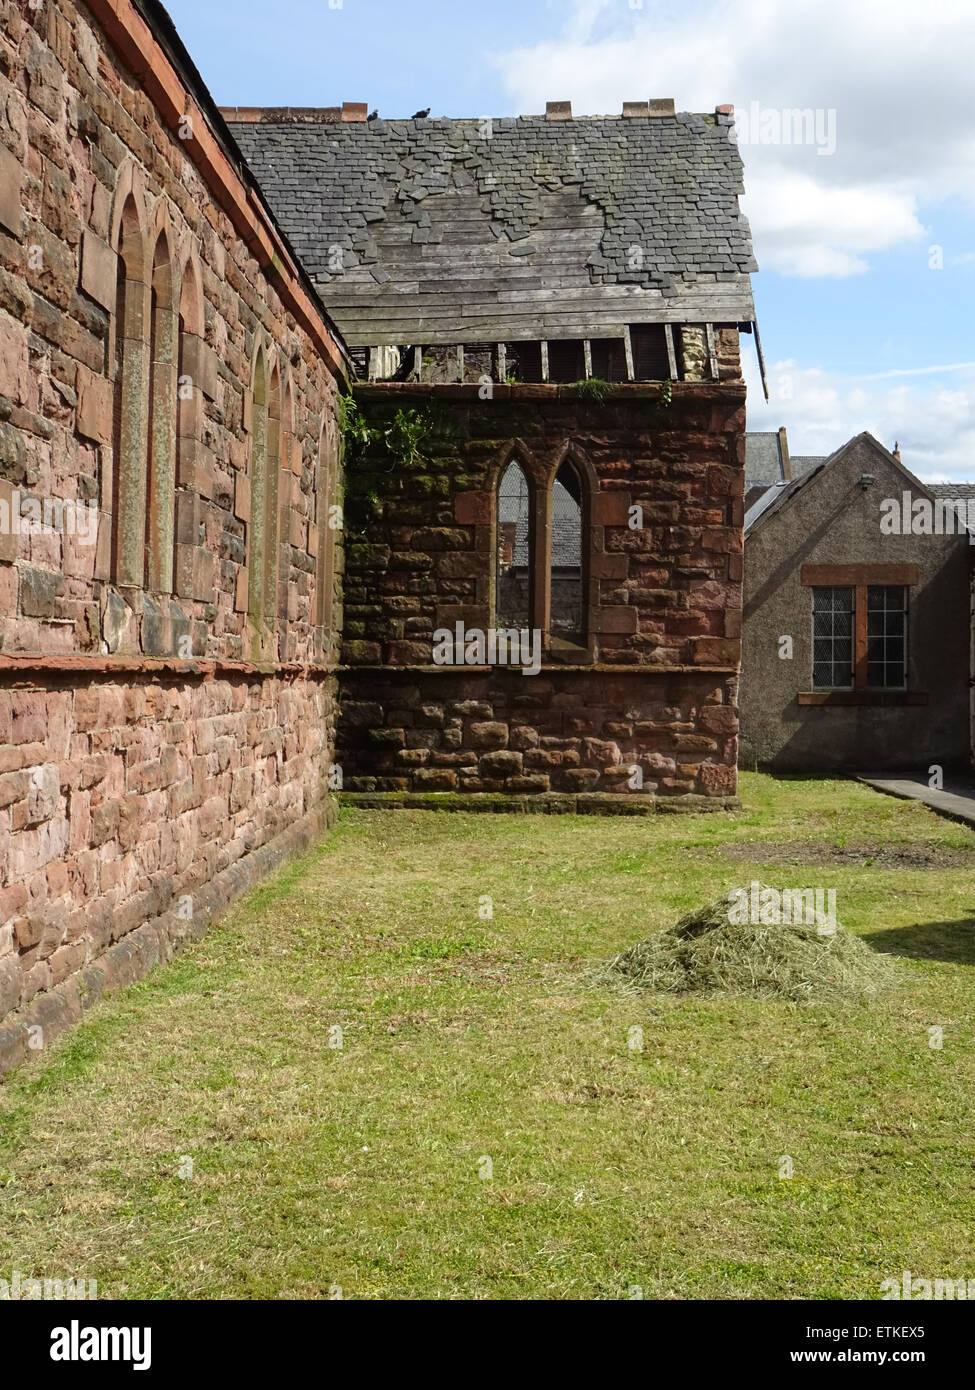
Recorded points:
(948, 941)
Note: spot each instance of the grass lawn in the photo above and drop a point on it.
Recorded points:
(465, 1039)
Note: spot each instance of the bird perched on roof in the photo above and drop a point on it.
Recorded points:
(373, 116)
(420, 115)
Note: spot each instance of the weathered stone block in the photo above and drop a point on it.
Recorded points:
(610, 508)
(718, 719)
(410, 653)
(623, 619)
(38, 591)
(361, 653)
(200, 365)
(435, 538)
(534, 783)
(489, 734)
(716, 651)
(500, 764)
(11, 184)
(13, 454)
(104, 822)
(473, 508)
(242, 497)
(99, 270)
(13, 359)
(581, 779)
(95, 406)
(388, 738)
(434, 780)
(9, 512)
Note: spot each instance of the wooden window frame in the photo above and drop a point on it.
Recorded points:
(860, 578)
(853, 592)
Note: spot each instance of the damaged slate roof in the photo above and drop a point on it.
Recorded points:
(444, 231)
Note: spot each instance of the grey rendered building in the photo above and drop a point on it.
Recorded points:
(857, 638)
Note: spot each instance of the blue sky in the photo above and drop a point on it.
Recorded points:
(866, 295)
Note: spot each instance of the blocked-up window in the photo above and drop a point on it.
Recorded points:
(833, 635)
(161, 457)
(130, 427)
(257, 537)
(887, 636)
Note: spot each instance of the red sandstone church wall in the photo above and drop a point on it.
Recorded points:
(166, 638)
(656, 687)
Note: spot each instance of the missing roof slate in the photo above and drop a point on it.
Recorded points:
(512, 229)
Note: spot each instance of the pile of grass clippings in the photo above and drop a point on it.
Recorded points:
(705, 953)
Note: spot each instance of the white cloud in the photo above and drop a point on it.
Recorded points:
(897, 77)
(810, 230)
(920, 371)
(933, 422)
(896, 74)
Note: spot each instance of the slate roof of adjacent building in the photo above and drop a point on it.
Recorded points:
(765, 464)
(805, 463)
(762, 503)
(763, 458)
(960, 490)
(442, 231)
(513, 506)
(779, 495)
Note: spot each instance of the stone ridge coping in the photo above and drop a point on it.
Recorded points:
(155, 942)
(552, 668)
(724, 391)
(169, 91)
(541, 803)
(352, 112)
(151, 666)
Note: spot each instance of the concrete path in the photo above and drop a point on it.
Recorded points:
(956, 800)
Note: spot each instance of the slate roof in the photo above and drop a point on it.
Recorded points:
(763, 458)
(961, 490)
(778, 496)
(762, 503)
(764, 463)
(443, 231)
(805, 463)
